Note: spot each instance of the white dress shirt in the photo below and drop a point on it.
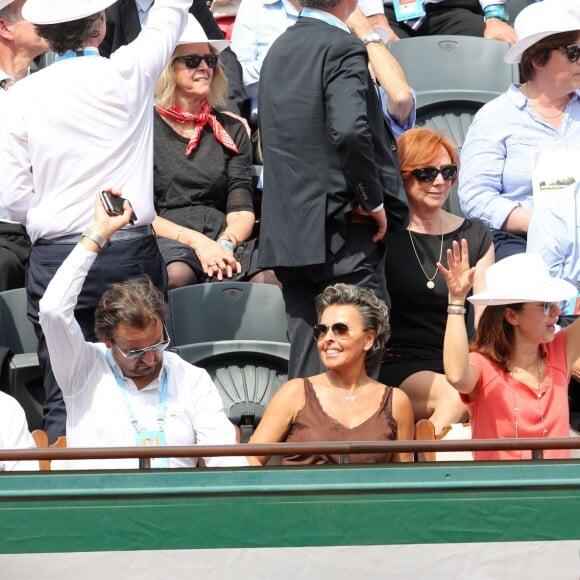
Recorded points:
(83, 124)
(14, 433)
(97, 415)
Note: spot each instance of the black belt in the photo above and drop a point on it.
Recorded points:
(128, 234)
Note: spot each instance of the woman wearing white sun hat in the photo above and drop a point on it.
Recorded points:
(81, 125)
(543, 113)
(515, 380)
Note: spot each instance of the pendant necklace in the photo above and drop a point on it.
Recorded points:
(351, 398)
(430, 280)
(538, 392)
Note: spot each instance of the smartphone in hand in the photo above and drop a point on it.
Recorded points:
(114, 205)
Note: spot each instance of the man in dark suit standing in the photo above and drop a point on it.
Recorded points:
(123, 26)
(330, 168)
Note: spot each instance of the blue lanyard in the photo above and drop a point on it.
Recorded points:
(89, 51)
(161, 407)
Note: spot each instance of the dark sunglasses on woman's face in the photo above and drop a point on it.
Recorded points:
(430, 173)
(340, 330)
(194, 60)
(572, 51)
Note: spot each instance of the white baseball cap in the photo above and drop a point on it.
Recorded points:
(58, 11)
(542, 19)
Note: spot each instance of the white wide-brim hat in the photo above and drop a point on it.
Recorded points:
(522, 278)
(58, 11)
(194, 34)
(542, 19)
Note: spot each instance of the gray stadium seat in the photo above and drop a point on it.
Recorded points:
(237, 331)
(453, 76)
(24, 381)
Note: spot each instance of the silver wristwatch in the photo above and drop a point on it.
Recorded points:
(372, 37)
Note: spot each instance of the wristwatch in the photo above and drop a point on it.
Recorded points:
(372, 37)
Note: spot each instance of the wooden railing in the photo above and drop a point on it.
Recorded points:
(144, 454)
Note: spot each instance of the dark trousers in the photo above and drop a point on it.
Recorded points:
(450, 17)
(360, 262)
(117, 261)
(14, 252)
(507, 244)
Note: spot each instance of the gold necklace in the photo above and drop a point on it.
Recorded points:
(430, 283)
(538, 397)
(548, 117)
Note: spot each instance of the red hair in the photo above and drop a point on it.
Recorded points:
(418, 147)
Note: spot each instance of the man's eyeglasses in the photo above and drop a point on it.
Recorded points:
(340, 330)
(194, 60)
(430, 173)
(572, 51)
(141, 352)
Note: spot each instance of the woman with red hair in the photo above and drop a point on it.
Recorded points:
(414, 356)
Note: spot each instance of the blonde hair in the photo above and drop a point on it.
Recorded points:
(165, 88)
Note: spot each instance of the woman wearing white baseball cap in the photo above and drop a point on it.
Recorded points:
(543, 113)
(515, 379)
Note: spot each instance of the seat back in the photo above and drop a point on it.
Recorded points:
(453, 76)
(41, 440)
(226, 311)
(246, 374)
(16, 331)
(462, 68)
(425, 431)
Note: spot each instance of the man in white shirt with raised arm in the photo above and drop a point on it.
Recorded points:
(126, 391)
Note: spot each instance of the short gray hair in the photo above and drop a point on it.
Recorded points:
(373, 311)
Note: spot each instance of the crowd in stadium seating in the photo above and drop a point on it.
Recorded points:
(157, 101)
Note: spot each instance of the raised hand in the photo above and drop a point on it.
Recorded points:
(458, 274)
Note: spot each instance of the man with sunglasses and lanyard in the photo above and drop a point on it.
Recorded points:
(68, 131)
(126, 391)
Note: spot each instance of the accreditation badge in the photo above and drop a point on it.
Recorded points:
(153, 439)
(408, 9)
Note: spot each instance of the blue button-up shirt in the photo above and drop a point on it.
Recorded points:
(495, 175)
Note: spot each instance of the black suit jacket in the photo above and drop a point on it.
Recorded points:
(123, 26)
(326, 145)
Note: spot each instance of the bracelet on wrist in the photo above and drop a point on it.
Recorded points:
(496, 11)
(226, 244)
(460, 304)
(95, 237)
(456, 310)
(229, 238)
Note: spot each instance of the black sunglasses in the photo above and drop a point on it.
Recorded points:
(572, 51)
(340, 330)
(194, 60)
(430, 173)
